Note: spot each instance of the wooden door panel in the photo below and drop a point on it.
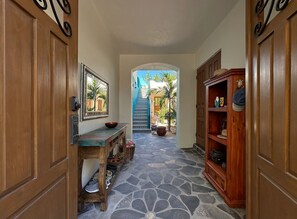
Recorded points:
(271, 193)
(266, 99)
(59, 54)
(18, 120)
(39, 207)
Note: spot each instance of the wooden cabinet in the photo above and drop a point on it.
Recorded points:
(229, 177)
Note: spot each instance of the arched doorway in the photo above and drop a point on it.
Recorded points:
(139, 94)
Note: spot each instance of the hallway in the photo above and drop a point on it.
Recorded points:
(163, 181)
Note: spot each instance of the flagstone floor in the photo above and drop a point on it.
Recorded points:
(162, 181)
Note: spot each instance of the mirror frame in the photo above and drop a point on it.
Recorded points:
(85, 115)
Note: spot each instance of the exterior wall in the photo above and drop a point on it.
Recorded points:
(186, 89)
(135, 89)
(229, 36)
(97, 51)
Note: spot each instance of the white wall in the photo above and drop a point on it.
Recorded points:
(187, 83)
(229, 36)
(97, 50)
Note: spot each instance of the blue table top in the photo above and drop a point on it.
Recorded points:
(100, 137)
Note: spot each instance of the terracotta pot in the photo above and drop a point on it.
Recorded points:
(161, 130)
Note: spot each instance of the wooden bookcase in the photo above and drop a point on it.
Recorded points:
(228, 179)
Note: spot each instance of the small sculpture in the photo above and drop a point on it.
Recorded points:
(221, 101)
(217, 102)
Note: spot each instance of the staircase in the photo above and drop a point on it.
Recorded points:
(140, 115)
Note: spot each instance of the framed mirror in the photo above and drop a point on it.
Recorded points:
(94, 95)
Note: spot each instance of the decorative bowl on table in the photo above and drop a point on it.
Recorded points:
(111, 125)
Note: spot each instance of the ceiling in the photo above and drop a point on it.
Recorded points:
(161, 26)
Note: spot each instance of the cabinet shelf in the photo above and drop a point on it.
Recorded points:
(220, 109)
(217, 139)
(230, 180)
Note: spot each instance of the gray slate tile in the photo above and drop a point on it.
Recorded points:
(174, 214)
(168, 178)
(192, 202)
(156, 178)
(170, 188)
(225, 208)
(206, 198)
(161, 205)
(148, 185)
(139, 205)
(177, 182)
(150, 197)
(201, 189)
(186, 188)
(176, 203)
(125, 214)
(133, 180)
(162, 194)
(190, 171)
(138, 194)
(125, 188)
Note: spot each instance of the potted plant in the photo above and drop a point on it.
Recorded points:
(161, 130)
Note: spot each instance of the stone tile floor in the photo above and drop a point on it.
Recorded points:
(162, 181)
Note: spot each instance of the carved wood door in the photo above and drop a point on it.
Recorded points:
(204, 72)
(272, 109)
(38, 166)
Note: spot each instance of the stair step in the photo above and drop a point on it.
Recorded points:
(141, 125)
(140, 115)
(136, 116)
(142, 130)
(139, 118)
(139, 121)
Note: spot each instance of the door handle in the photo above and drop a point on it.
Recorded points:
(75, 104)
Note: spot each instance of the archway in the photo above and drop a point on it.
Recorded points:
(135, 82)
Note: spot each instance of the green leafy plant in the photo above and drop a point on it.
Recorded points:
(94, 92)
(168, 97)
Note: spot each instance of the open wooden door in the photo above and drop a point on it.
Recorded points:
(272, 109)
(38, 75)
(204, 72)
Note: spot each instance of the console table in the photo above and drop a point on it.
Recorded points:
(98, 144)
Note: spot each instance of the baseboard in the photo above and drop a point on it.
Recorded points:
(198, 148)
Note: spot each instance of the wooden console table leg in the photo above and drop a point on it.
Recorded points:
(80, 163)
(102, 177)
